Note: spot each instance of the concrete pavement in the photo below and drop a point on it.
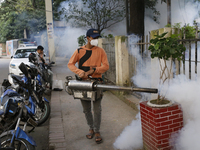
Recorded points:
(68, 127)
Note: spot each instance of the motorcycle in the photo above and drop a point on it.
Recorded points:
(46, 73)
(17, 138)
(32, 90)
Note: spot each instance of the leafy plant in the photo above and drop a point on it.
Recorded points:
(190, 31)
(106, 36)
(15, 16)
(165, 48)
(81, 40)
(168, 25)
(109, 36)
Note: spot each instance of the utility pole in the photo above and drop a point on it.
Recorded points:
(127, 17)
(50, 32)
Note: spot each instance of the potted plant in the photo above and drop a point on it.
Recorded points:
(160, 118)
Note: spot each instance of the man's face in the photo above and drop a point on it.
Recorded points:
(40, 51)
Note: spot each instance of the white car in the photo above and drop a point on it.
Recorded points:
(25, 45)
(21, 55)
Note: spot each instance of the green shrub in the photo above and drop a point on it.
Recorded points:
(190, 31)
(82, 40)
(165, 48)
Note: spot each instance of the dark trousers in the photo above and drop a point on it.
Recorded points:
(93, 120)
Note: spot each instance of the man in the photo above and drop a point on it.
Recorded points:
(40, 54)
(40, 59)
(92, 61)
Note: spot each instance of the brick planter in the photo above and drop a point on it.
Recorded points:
(158, 124)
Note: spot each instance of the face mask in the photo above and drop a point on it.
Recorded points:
(94, 42)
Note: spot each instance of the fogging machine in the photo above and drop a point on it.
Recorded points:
(93, 89)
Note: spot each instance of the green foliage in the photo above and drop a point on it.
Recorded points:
(109, 36)
(17, 15)
(168, 25)
(190, 31)
(82, 40)
(177, 25)
(151, 4)
(166, 47)
(106, 36)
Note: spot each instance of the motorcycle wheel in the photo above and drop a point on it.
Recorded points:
(24, 145)
(40, 116)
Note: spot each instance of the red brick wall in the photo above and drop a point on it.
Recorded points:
(158, 124)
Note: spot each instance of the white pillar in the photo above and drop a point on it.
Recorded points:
(25, 34)
(50, 33)
(121, 59)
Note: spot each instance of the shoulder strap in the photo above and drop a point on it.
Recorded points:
(79, 49)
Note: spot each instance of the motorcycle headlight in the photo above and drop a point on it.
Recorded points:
(13, 66)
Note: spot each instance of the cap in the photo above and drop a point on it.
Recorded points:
(93, 33)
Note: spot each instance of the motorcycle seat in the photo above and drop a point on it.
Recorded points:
(18, 77)
(10, 93)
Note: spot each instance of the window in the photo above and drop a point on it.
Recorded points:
(24, 53)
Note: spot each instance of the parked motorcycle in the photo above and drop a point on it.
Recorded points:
(44, 69)
(35, 89)
(16, 137)
(32, 90)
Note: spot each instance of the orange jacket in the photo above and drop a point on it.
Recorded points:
(87, 59)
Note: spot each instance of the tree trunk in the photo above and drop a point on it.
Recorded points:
(168, 11)
(136, 10)
(127, 16)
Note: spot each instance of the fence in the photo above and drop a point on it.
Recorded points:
(189, 65)
(139, 55)
(109, 46)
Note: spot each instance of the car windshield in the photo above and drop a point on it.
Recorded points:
(24, 53)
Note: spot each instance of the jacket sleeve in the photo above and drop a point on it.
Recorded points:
(105, 65)
(73, 60)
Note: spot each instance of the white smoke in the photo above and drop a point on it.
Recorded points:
(186, 12)
(66, 40)
(186, 93)
(131, 137)
(182, 90)
(181, 12)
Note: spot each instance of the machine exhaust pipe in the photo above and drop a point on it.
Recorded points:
(121, 88)
(93, 86)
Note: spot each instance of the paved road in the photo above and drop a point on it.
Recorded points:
(40, 134)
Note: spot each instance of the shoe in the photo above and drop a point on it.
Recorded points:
(98, 138)
(90, 134)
